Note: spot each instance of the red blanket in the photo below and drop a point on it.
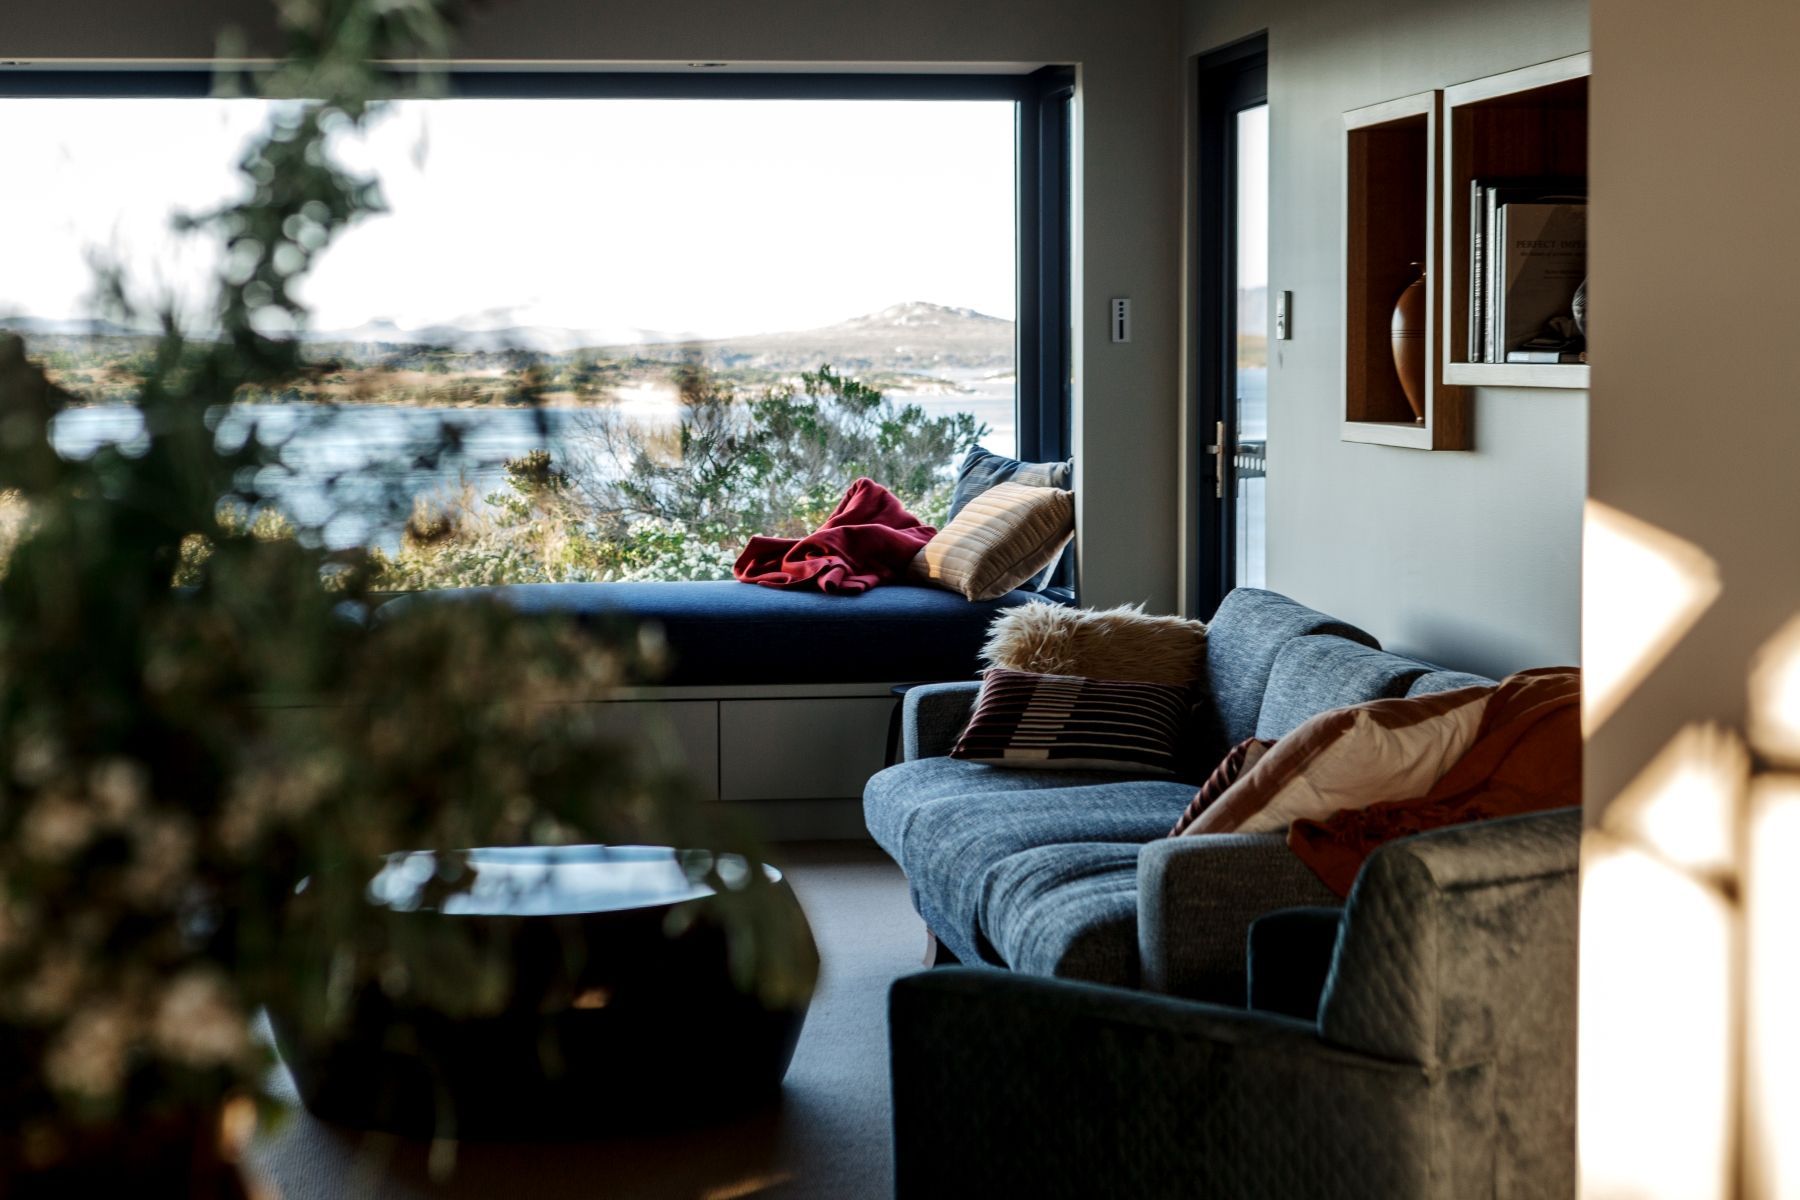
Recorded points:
(869, 538)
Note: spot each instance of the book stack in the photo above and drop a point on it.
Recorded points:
(1527, 256)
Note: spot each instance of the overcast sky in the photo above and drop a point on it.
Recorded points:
(684, 217)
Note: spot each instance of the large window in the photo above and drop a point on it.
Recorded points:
(657, 323)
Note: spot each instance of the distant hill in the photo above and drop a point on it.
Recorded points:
(916, 337)
(79, 327)
(541, 339)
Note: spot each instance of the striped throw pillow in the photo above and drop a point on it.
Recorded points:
(1000, 540)
(1065, 722)
(1239, 759)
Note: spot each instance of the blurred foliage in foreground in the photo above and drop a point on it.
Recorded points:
(197, 784)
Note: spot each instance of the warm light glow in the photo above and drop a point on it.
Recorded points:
(1642, 588)
(237, 1126)
(1772, 1003)
(1657, 1088)
(1775, 696)
(1683, 807)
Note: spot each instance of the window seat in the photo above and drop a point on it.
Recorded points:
(729, 633)
(777, 702)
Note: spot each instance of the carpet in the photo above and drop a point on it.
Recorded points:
(829, 1138)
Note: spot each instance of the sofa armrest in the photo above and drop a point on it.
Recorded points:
(1197, 897)
(1010, 1085)
(934, 715)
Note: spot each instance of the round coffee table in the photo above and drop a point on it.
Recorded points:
(623, 1011)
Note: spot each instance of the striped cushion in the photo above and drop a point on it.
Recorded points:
(1064, 722)
(1000, 539)
(1241, 758)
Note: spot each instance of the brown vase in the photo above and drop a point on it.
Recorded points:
(1408, 332)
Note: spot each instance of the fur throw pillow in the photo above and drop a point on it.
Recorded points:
(1112, 643)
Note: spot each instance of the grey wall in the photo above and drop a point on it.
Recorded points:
(1696, 417)
(1471, 559)
(1129, 161)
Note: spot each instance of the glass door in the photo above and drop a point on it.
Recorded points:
(1230, 338)
(1248, 421)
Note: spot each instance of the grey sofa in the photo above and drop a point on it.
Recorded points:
(1070, 874)
(1438, 1064)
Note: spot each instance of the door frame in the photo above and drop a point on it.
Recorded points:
(1225, 81)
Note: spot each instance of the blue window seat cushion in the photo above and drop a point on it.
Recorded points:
(725, 632)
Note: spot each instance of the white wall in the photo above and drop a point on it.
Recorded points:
(1470, 559)
(1129, 161)
(1696, 405)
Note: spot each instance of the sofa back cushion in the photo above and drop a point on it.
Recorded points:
(1313, 674)
(1242, 640)
(1446, 681)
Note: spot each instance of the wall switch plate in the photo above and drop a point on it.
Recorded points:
(1121, 319)
(1283, 306)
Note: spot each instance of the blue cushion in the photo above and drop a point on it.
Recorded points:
(724, 632)
(1314, 674)
(951, 844)
(1066, 910)
(1446, 681)
(981, 469)
(1250, 628)
(892, 797)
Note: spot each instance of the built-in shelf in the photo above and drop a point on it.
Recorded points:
(1391, 154)
(1539, 375)
(1525, 124)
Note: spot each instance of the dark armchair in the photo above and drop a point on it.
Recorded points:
(1440, 1063)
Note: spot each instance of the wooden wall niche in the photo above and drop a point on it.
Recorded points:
(1525, 124)
(1390, 173)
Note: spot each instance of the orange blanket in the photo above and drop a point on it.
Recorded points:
(1526, 757)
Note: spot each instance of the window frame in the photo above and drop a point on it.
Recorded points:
(1042, 167)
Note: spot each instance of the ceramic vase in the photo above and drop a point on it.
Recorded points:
(1408, 334)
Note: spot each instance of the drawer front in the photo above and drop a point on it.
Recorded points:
(801, 749)
(680, 733)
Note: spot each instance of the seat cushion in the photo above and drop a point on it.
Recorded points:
(893, 796)
(950, 845)
(1242, 640)
(1312, 675)
(1066, 910)
(725, 632)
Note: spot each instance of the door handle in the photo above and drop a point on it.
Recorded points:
(1217, 450)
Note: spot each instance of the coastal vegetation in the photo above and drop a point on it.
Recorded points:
(637, 500)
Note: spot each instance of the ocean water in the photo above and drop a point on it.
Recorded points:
(355, 471)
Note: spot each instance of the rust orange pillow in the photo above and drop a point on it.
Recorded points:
(1526, 758)
(1350, 758)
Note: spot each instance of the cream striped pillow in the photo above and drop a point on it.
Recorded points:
(999, 540)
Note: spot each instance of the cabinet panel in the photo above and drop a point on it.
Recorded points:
(683, 733)
(801, 749)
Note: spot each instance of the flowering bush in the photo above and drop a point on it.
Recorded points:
(639, 501)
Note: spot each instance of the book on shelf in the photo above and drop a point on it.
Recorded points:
(1487, 197)
(1540, 257)
(1546, 356)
